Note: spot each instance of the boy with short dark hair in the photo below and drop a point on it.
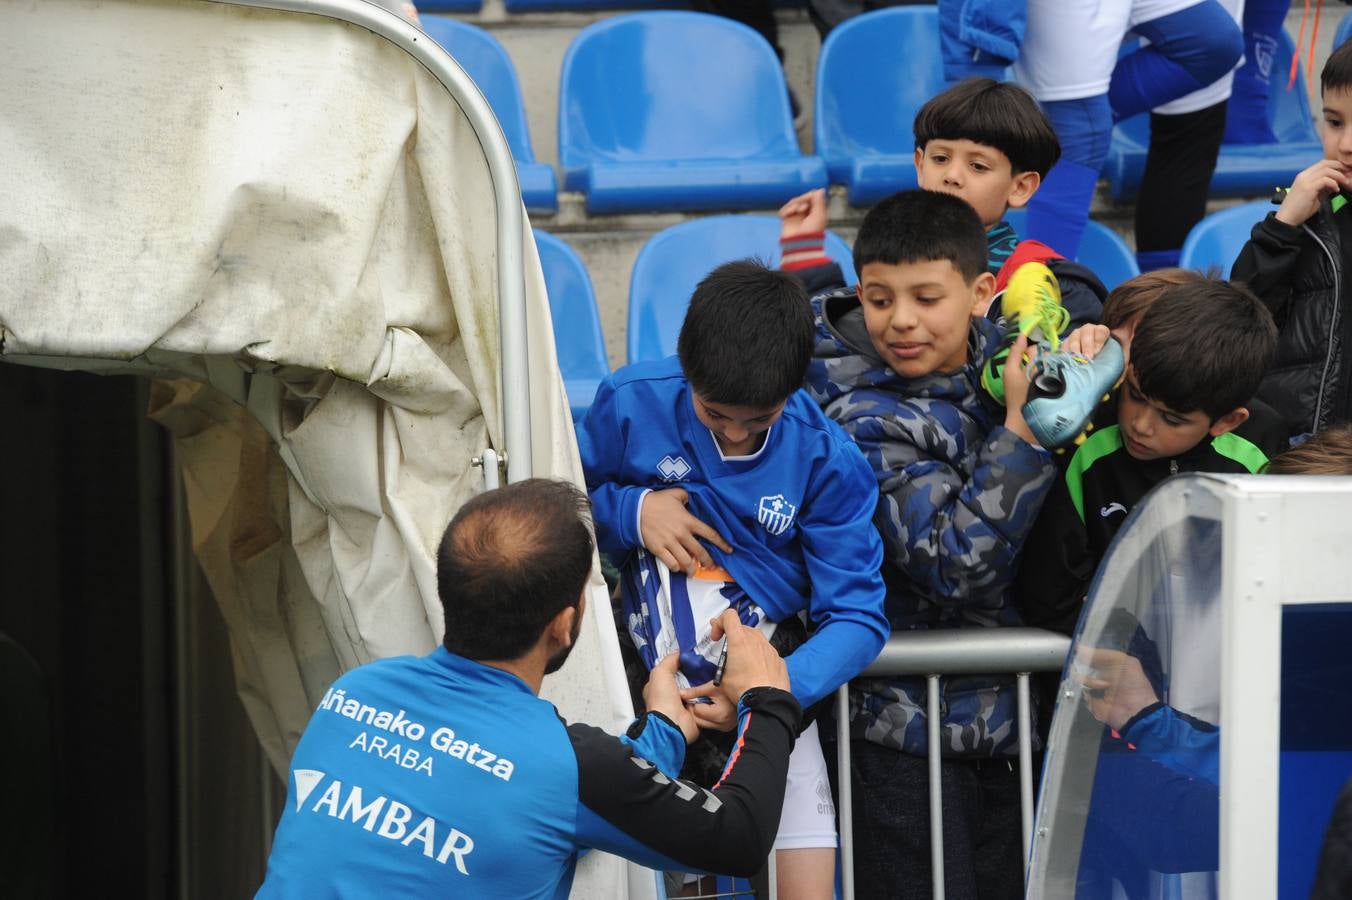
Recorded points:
(1184, 406)
(1296, 261)
(725, 486)
(898, 364)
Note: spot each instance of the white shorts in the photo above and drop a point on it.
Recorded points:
(809, 817)
(1070, 47)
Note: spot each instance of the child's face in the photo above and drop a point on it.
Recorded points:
(737, 429)
(978, 173)
(919, 314)
(1337, 131)
(1151, 430)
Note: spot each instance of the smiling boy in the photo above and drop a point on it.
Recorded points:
(961, 479)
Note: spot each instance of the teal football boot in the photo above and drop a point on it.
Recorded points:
(1064, 390)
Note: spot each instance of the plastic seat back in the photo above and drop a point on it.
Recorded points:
(890, 53)
(578, 340)
(487, 62)
(671, 86)
(1344, 31)
(1102, 250)
(675, 260)
(1216, 240)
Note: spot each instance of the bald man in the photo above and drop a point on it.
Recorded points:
(447, 775)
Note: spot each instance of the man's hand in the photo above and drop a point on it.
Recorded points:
(1115, 687)
(752, 662)
(719, 714)
(671, 534)
(1016, 389)
(1311, 188)
(804, 214)
(662, 694)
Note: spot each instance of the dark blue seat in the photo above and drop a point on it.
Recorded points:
(678, 111)
(1243, 169)
(675, 259)
(868, 145)
(480, 55)
(1101, 249)
(1217, 239)
(578, 341)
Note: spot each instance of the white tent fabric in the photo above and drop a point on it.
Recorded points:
(290, 223)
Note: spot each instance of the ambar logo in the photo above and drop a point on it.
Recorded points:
(383, 817)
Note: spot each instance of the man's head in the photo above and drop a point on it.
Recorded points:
(511, 569)
(1335, 87)
(744, 347)
(921, 259)
(986, 141)
(1197, 357)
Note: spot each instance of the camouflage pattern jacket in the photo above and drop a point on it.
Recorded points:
(958, 495)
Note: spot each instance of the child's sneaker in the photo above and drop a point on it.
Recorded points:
(1064, 390)
(1031, 306)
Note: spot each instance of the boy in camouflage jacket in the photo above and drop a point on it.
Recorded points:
(961, 479)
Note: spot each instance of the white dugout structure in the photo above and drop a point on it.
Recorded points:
(302, 221)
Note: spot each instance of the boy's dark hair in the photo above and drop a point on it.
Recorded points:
(1134, 296)
(1328, 452)
(747, 336)
(995, 113)
(921, 226)
(1203, 346)
(1337, 71)
(509, 562)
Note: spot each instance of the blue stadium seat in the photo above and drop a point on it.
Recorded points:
(1101, 249)
(893, 53)
(675, 259)
(440, 6)
(480, 55)
(1217, 239)
(678, 111)
(578, 340)
(1243, 169)
(1344, 31)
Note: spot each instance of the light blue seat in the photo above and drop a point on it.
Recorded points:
(678, 111)
(1217, 239)
(1242, 169)
(676, 259)
(480, 55)
(1101, 249)
(440, 6)
(1344, 31)
(868, 145)
(578, 341)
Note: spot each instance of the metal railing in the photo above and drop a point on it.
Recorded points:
(933, 654)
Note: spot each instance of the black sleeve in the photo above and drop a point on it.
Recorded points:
(628, 807)
(1082, 293)
(1056, 566)
(1267, 261)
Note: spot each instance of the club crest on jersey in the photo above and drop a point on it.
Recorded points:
(776, 514)
(673, 468)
